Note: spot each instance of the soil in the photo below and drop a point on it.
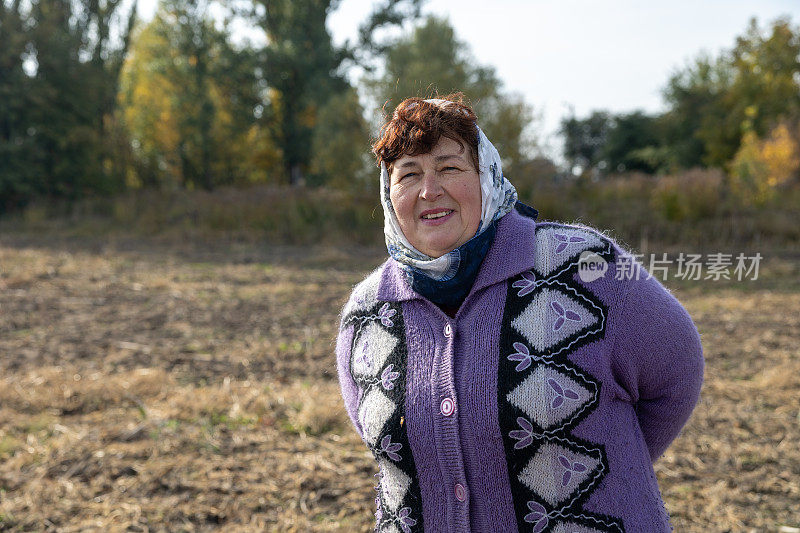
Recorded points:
(147, 386)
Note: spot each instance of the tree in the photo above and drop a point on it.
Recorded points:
(760, 167)
(432, 59)
(627, 141)
(766, 87)
(340, 143)
(60, 61)
(189, 98)
(695, 98)
(17, 173)
(715, 100)
(585, 140)
(304, 69)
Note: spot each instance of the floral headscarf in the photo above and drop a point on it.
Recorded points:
(498, 197)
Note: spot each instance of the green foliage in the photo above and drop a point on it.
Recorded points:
(301, 67)
(192, 110)
(506, 119)
(604, 143)
(304, 68)
(694, 96)
(188, 100)
(386, 14)
(431, 59)
(630, 142)
(340, 144)
(711, 104)
(59, 70)
(17, 174)
(753, 86)
(585, 140)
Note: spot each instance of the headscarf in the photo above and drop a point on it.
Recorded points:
(498, 197)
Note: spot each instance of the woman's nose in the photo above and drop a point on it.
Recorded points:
(431, 188)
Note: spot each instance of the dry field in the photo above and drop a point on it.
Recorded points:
(155, 387)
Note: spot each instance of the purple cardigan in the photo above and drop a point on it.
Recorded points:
(540, 407)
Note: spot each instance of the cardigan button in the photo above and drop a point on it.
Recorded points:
(448, 330)
(461, 492)
(448, 406)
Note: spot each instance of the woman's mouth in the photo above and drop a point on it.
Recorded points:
(436, 216)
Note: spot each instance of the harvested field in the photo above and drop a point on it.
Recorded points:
(155, 387)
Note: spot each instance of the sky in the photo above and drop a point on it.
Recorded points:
(583, 55)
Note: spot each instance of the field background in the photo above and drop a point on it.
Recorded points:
(161, 384)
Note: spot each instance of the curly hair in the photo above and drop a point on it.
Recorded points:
(417, 126)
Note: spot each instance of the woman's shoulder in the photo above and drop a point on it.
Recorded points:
(365, 294)
(565, 237)
(560, 244)
(575, 233)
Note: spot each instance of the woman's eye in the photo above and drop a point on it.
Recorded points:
(410, 174)
(449, 169)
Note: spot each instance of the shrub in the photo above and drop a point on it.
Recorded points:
(762, 166)
(692, 195)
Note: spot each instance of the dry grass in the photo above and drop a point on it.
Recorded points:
(694, 208)
(156, 388)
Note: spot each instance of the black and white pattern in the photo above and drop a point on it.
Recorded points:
(378, 366)
(542, 396)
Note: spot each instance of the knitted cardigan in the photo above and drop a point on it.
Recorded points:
(540, 407)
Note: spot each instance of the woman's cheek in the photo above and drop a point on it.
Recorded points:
(403, 207)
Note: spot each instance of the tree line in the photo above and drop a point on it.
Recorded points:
(738, 111)
(95, 101)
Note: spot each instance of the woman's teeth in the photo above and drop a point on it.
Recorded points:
(437, 215)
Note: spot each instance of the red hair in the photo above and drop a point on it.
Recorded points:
(417, 126)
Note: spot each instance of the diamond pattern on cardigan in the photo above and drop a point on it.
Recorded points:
(549, 397)
(394, 485)
(373, 412)
(378, 356)
(365, 297)
(374, 346)
(555, 473)
(555, 315)
(542, 395)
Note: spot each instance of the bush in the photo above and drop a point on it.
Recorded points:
(761, 167)
(693, 208)
(691, 196)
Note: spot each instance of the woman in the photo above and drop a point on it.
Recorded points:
(507, 374)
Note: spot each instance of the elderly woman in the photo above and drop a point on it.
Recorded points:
(507, 374)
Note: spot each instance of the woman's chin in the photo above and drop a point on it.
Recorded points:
(438, 247)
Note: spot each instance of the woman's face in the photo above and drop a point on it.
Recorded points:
(437, 197)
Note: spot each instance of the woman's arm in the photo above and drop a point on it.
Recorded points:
(658, 359)
(349, 388)
(362, 297)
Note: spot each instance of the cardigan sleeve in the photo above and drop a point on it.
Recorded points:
(347, 384)
(657, 358)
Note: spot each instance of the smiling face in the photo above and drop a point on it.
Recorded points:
(437, 197)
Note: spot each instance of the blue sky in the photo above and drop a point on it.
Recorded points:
(561, 54)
